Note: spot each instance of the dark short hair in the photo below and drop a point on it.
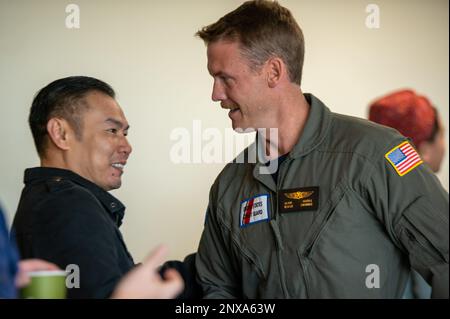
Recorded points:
(264, 29)
(63, 98)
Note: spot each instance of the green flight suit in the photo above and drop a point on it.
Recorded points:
(356, 238)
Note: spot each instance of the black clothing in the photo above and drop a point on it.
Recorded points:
(66, 219)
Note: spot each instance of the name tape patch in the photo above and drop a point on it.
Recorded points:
(254, 210)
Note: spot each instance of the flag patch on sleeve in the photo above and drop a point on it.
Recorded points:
(254, 210)
(403, 158)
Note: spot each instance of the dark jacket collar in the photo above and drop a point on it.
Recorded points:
(114, 207)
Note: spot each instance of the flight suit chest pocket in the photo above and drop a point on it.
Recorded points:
(252, 233)
(323, 219)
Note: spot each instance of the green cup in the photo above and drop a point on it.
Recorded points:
(49, 284)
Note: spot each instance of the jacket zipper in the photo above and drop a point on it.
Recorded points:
(278, 238)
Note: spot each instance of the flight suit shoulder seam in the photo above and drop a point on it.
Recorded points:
(364, 156)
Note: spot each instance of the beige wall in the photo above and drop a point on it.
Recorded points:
(147, 52)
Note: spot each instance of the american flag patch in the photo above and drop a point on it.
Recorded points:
(403, 158)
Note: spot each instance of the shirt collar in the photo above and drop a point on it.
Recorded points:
(114, 207)
(316, 127)
(314, 132)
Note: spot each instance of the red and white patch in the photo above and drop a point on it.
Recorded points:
(254, 210)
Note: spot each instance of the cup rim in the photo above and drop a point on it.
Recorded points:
(42, 273)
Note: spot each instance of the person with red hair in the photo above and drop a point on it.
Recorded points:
(415, 117)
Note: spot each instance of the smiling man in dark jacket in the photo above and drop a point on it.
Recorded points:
(66, 214)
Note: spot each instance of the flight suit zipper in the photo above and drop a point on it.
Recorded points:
(278, 237)
(303, 263)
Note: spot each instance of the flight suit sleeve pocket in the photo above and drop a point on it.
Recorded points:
(424, 233)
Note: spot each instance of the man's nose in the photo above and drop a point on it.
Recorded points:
(125, 146)
(218, 92)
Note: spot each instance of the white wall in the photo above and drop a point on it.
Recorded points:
(146, 50)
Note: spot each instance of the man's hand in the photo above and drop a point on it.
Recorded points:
(27, 265)
(144, 281)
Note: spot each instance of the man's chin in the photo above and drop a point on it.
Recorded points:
(242, 128)
(113, 186)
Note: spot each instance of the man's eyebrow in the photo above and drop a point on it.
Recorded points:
(216, 73)
(117, 123)
(221, 74)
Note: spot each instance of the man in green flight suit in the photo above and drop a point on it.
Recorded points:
(350, 206)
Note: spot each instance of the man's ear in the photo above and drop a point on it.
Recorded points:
(58, 130)
(275, 69)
